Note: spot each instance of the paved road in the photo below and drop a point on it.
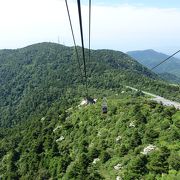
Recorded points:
(159, 99)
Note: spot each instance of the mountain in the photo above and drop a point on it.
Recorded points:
(151, 58)
(46, 134)
(170, 77)
(136, 139)
(35, 77)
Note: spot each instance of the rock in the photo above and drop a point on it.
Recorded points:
(95, 160)
(118, 178)
(149, 149)
(118, 167)
(60, 139)
(132, 124)
(118, 138)
(91, 145)
(43, 118)
(58, 127)
(67, 118)
(84, 102)
(70, 109)
(99, 134)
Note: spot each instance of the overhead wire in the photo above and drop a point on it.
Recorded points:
(89, 30)
(165, 60)
(74, 41)
(82, 41)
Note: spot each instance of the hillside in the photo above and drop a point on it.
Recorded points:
(35, 77)
(46, 134)
(150, 58)
(137, 139)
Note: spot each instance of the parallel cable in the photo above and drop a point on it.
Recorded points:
(82, 41)
(165, 60)
(89, 30)
(75, 46)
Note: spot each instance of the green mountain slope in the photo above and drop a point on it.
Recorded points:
(45, 134)
(35, 77)
(170, 77)
(150, 58)
(137, 139)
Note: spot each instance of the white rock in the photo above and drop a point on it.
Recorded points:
(118, 138)
(69, 109)
(84, 102)
(132, 124)
(118, 178)
(60, 139)
(58, 127)
(95, 160)
(99, 134)
(43, 118)
(118, 167)
(149, 149)
(91, 145)
(122, 92)
(67, 118)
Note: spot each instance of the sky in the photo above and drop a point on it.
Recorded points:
(123, 25)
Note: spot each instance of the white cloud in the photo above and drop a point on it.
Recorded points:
(137, 27)
(122, 27)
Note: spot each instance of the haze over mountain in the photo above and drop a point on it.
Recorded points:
(170, 70)
(46, 134)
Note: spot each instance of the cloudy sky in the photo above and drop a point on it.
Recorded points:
(116, 24)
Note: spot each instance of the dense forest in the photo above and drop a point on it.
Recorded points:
(46, 134)
(34, 77)
(137, 139)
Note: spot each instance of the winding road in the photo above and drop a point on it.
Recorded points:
(159, 99)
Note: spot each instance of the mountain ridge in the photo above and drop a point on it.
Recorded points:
(46, 134)
(151, 58)
(35, 77)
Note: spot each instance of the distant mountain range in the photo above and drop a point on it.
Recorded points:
(170, 70)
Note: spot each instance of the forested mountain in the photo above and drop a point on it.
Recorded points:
(151, 58)
(137, 139)
(45, 134)
(170, 77)
(34, 77)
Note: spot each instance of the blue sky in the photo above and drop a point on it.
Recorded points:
(123, 25)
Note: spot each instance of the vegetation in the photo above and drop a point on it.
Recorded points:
(150, 58)
(46, 134)
(170, 77)
(35, 77)
(82, 143)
